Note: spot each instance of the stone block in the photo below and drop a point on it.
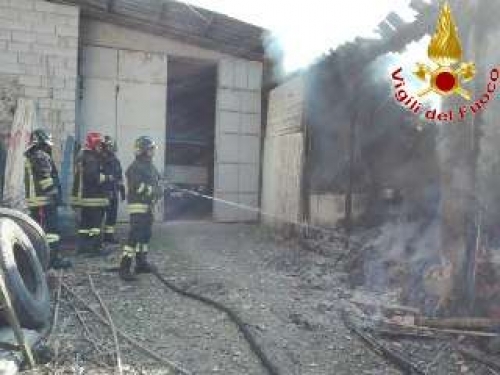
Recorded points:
(240, 74)
(45, 27)
(68, 116)
(53, 82)
(67, 31)
(30, 81)
(19, 47)
(65, 73)
(5, 34)
(11, 68)
(57, 62)
(44, 6)
(250, 123)
(30, 58)
(70, 84)
(248, 178)
(35, 70)
(22, 4)
(227, 148)
(229, 122)
(33, 92)
(250, 101)
(63, 104)
(23, 36)
(249, 149)
(226, 73)
(254, 75)
(12, 24)
(8, 57)
(47, 39)
(229, 100)
(227, 178)
(31, 18)
(64, 94)
(99, 62)
(68, 42)
(9, 13)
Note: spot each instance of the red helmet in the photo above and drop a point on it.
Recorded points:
(93, 140)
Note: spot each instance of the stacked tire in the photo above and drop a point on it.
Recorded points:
(24, 258)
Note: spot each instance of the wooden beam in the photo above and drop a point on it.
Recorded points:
(166, 31)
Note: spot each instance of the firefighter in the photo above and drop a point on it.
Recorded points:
(143, 193)
(89, 195)
(43, 192)
(112, 167)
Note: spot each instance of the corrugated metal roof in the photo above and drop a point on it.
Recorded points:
(180, 21)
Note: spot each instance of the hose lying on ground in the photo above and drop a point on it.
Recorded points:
(271, 369)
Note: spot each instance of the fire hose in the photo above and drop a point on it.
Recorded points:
(254, 346)
(233, 316)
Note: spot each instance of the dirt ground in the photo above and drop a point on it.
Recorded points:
(288, 297)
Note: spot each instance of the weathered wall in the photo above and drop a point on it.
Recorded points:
(284, 154)
(104, 34)
(124, 95)
(238, 139)
(238, 107)
(39, 50)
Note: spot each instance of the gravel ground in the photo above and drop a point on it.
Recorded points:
(290, 299)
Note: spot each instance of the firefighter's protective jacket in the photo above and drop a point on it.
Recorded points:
(89, 180)
(41, 180)
(143, 183)
(112, 166)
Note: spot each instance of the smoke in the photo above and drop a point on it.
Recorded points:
(305, 30)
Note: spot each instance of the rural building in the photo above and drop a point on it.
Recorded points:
(189, 78)
(349, 156)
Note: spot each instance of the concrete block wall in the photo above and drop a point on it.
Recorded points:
(238, 139)
(39, 49)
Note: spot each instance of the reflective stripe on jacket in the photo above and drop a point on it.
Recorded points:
(142, 185)
(41, 179)
(88, 183)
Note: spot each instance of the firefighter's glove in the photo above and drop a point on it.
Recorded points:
(121, 188)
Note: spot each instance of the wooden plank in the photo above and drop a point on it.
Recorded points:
(152, 17)
(24, 122)
(459, 323)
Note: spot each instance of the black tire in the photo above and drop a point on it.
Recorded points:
(34, 232)
(24, 276)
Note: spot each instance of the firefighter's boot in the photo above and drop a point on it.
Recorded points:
(125, 272)
(141, 261)
(58, 262)
(110, 238)
(83, 244)
(98, 250)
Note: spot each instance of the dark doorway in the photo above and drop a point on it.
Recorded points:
(189, 150)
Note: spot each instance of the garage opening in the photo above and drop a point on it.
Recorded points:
(189, 153)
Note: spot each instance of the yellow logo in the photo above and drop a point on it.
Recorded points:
(445, 51)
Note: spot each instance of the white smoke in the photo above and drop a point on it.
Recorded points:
(307, 29)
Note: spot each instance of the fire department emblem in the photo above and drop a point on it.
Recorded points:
(445, 51)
